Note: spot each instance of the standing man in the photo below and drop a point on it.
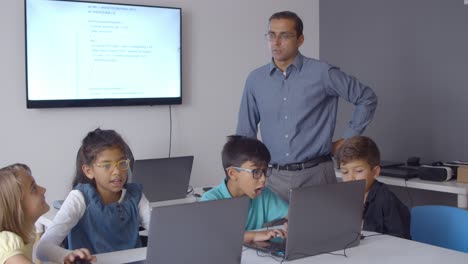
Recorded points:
(295, 100)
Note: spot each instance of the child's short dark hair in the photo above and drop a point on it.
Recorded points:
(240, 149)
(358, 148)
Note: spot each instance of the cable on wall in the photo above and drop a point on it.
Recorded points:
(170, 130)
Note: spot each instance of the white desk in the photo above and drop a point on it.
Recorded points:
(454, 187)
(372, 250)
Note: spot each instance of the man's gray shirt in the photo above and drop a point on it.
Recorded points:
(296, 111)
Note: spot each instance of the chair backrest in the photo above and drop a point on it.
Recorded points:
(442, 226)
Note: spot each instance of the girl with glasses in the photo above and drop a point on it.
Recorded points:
(103, 212)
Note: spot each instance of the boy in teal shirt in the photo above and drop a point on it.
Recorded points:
(245, 162)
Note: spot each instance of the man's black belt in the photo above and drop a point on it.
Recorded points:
(302, 165)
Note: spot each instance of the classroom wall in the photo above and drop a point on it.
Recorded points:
(413, 54)
(222, 42)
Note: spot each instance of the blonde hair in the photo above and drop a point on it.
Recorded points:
(11, 207)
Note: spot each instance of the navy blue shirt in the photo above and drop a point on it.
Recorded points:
(385, 213)
(296, 111)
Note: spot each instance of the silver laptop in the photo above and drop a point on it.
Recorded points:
(198, 233)
(163, 179)
(322, 219)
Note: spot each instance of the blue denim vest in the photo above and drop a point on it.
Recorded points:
(106, 228)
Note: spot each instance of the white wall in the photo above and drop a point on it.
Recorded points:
(222, 42)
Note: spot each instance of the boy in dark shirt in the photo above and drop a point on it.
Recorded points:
(359, 158)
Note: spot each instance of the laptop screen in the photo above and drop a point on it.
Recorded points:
(202, 232)
(163, 179)
(322, 218)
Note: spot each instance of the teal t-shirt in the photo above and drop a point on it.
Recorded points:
(264, 208)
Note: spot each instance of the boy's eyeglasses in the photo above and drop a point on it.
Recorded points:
(120, 165)
(256, 173)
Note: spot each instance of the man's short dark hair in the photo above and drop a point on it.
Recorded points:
(299, 27)
(358, 148)
(240, 149)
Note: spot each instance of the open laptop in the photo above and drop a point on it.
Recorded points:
(321, 219)
(203, 232)
(163, 179)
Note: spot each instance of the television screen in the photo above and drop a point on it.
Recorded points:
(101, 54)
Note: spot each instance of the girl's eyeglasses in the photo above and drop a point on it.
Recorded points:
(120, 165)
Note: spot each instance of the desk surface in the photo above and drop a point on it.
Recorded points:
(372, 250)
(452, 186)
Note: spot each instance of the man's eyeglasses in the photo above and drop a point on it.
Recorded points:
(256, 173)
(270, 36)
(120, 165)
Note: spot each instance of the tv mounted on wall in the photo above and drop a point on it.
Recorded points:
(81, 54)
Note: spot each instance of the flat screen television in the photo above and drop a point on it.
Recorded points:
(81, 54)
